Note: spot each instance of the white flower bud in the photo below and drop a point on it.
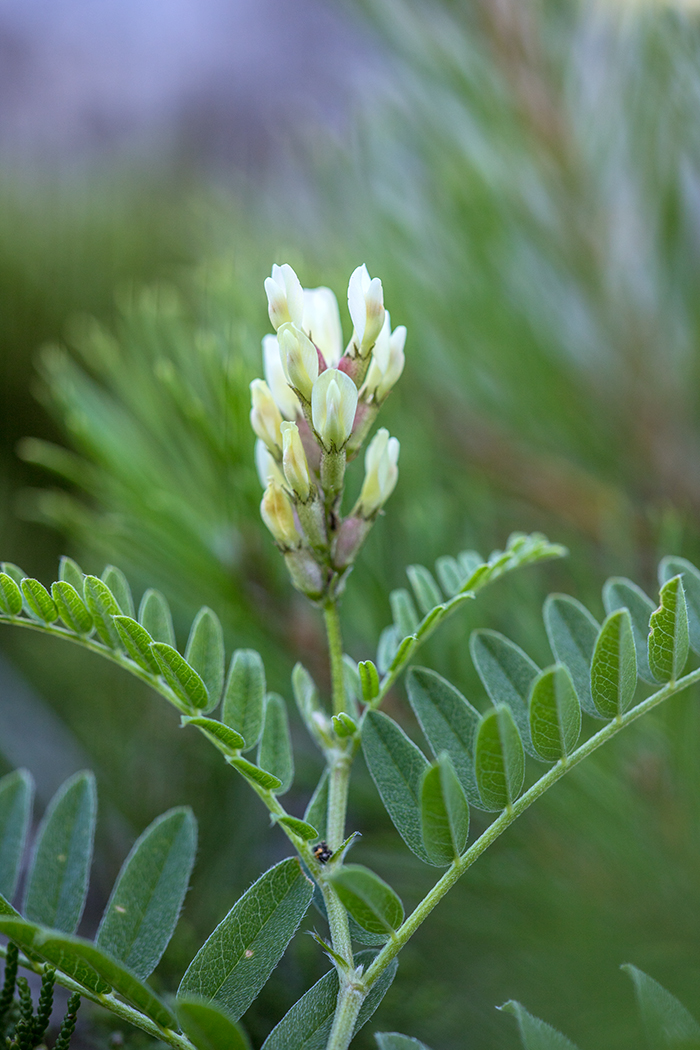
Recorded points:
(265, 417)
(285, 296)
(299, 359)
(366, 306)
(266, 465)
(294, 464)
(276, 511)
(284, 397)
(322, 323)
(333, 406)
(381, 472)
(387, 361)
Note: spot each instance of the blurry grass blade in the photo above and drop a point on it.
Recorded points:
(499, 759)
(507, 673)
(667, 1023)
(205, 652)
(182, 679)
(424, 587)
(70, 572)
(396, 766)
(137, 643)
(208, 1026)
(71, 607)
(369, 678)
(317, 809)
(235, 962)
(10, 596)
(555, 715)
(371, 901)
(614, 665)
(668, 633)
(404, 612)
(118, 584)
(275, 749)
(155, 617)
(671, 567)
(449, 723)
(536, 1034)
(444, 812)
(16, 797)
(103, 606)
(145, 903)
(244, 696)
(572, 634)
(619, 593)
(60, 869)
(41, 605)
(227, 740)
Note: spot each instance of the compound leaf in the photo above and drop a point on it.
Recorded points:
(205, 652)
(668, 634)
(507, 673)
(572, 634)
(499, 759)
(619, 593)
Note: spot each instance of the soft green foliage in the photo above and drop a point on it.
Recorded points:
(16, 795)
(572, 633)
(619, 593)
(555, 716)
(668, 632)
(72, 608)
(275, 747)
(371, 902)
(396, 1041)
(498, 759)
(507, 673)
(205, 653)
(208, 1026)
(244, 696)
(667, 1023)
(614, 666)
(444, 812)
(536, 1034)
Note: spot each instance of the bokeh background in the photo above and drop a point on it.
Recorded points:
(525, 178)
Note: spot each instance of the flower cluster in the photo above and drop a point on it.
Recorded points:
(313, 412)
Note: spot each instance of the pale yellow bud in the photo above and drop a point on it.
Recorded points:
(285, 296)
(333, 407)
(322, 323)
(284, 397)
(266, 465)
(265, 417)
(277, 513)
(387, 362)
(381, 472)
(294, 464)
(366, 306)
(299, 359)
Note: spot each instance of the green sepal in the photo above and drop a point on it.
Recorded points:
(424, 587)
(275, 748)
(300, 828)
(71, 607)
(238, 957)
(228, 741)
(372, 903)
(10, 596)
(244, 696)
(444, 812)
(403, 612)
(343, 725)
(572, 633)
(255, 774)
(205, 653)
(16, 797)
(536, 1034)
(499, 760)
(507, 673)
(156, 618)
(209, 1027)
(668, 633)
(41, 605)
(619, 593)
(118, 584)
(614, 665)
(103, 607)
(137, 643)
(555, 714)
(670, 567)
(369, 677)
(667, 1023)
(182, 679)
(70, 572)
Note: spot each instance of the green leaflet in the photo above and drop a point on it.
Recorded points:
(13, 571)
(70, 572)
(307, 1025)
(403, 612)
(228, 741)
(372, 903)
(403, 652)
(535, 1034)
(58, 876)
(668, 634)
(301, 828)
(71, 607)
(667, 1023)
(424, 587)
(619, 593)
(155, 617)
(386, 650)
(449, 723)
(41, 605)
(256, 775)
(444, 812)
(118, 584)
(308, 705)
(102, 606)
(145, 903)
(137, 643)
(208, 1027)
(353, 686)
(614, 665)
(7, 909)
(317, 809)
(555, 715)
(16, 796)
(369, 677)
(671, 567)
(235, 962)
(343, 725)
(205, 652)
(182, 679)
(449, 574)
(26, 934)
(10, 596)
(572, 634)
(396, 766)
(244, 696)
(499, 759)
(275, 748)
(396, 1041)
(507, 673)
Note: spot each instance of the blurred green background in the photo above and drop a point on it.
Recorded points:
(525, 179)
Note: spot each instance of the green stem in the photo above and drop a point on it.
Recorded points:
(495, 830)
(350, 999)
(335, 652)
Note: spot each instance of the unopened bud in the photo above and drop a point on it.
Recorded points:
(366, 306)
(294, 464)
(387, 361)
(266, 465)
(322, 323)
(381, 473)
(333, 406)
(276, 511)
(285, 296)
(265, 417)
(299, 359)
(284, 397)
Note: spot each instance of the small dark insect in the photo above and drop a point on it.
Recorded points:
(323, 852)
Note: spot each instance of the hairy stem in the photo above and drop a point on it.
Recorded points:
(495, 830)
(350, 999)
(335, 653)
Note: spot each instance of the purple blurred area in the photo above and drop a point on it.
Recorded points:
(201, 81)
